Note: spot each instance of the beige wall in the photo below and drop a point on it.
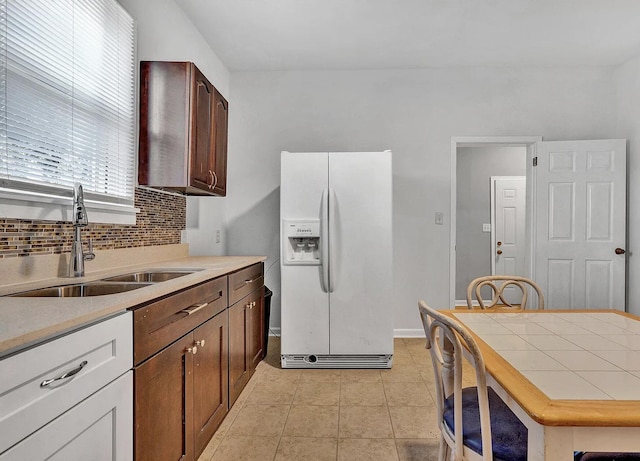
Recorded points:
(627, 79)
(165, 33)
(414, 113)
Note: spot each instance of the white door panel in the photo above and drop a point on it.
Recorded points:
(360, 232)
(304, 313)
(580, 221)
(508, 243)
(305, 317)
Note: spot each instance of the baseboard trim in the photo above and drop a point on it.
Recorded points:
(397, 333)
(408, 333)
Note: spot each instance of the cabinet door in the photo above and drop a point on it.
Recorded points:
(239, 367)
(98, 428)
(202, 142)
(210, 379)
(221, 120)
(90, 358)
(163, 404)
(255, 347)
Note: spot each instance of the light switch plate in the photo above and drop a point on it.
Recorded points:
(439, 218)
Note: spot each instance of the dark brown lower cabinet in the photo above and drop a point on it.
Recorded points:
(181, 395)
(163, 398)
(210, 379)
(193, 356)
(246, 322)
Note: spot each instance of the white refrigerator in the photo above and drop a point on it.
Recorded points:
(336, 260)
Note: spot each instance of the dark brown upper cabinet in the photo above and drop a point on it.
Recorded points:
(183, 130)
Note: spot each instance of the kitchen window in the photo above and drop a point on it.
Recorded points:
(67, 109)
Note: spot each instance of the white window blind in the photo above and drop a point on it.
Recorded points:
(67, 113)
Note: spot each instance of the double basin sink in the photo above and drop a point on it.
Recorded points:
(109, 285)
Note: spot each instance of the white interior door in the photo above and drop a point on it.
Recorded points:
(508, 245)
(580, 216)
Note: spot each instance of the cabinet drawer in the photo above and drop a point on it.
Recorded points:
(97, 429)
(245, 281)
(27, 403)
(161, 322)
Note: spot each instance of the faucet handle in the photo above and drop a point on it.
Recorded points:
(90, 255)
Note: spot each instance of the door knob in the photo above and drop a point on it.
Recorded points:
(499, 252)
(620, 251)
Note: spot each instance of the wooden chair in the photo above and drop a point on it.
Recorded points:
(498, 284)
(489, 429)
(607, 456)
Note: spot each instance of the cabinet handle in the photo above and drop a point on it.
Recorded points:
(246, 282)
(251, 305)
(214, 180)
(200, 343)
(66, 375)
(194, 309)
(192, 350)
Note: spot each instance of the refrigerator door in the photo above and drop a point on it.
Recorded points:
(304, 303)
(360, 272)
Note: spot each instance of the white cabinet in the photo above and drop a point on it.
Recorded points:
(70, 398)
(100, 428)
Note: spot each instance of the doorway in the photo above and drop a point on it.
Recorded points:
(474, 161)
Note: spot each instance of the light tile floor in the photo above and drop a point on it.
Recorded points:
(333, 415)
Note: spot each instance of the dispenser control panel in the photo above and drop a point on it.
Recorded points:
(301, 242)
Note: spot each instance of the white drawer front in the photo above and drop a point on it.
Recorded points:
(98, 429)
(26, 405)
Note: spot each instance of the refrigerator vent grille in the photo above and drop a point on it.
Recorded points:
(337, 361)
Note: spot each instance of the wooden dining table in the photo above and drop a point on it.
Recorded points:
(571, 376)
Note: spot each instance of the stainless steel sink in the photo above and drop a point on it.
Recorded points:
(109, 285)
(82, 290)
(150, 276)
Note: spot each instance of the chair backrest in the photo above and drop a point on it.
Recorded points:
(446, 341)
(498, 284)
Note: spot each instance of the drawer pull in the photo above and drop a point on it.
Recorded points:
(246, 282)
(68, 374)
(194, 309)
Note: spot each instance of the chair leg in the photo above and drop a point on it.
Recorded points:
(443, 449)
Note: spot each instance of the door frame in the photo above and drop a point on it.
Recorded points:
(481, 141)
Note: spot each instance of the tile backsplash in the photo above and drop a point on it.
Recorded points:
(160, 221)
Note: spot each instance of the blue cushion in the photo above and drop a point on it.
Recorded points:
(590, 456)
(508, 434)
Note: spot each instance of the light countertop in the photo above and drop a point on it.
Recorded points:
(27, 321)
(564, 368)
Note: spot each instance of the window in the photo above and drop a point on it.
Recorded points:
(67, 113)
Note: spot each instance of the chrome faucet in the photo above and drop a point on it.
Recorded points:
(78, 256)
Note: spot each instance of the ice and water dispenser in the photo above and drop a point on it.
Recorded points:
(302, 242)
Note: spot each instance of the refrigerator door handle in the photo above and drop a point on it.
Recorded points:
(324, 240)
(334, 236)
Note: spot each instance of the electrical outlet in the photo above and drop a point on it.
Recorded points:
(217, 235)
(486, 227)
(439, 218)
